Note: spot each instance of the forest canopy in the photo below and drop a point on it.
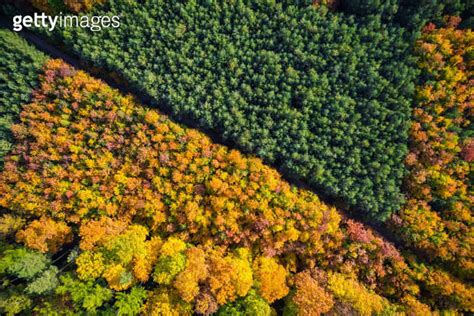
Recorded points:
(252, 157)
(320, 94)
(119, 208)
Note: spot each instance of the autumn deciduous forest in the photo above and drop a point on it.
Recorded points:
(242, 157)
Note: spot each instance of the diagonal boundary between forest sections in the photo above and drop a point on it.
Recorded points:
(116, 81)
